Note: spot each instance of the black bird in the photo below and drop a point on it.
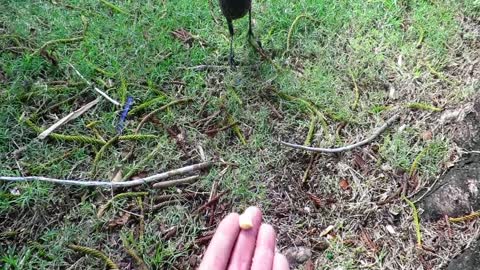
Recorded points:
(232, 10)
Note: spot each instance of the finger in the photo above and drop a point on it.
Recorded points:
(242, 254)
(218, 252)
(265, 248)
(280, 262)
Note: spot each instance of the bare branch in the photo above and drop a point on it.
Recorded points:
(69, 117)
(116, 103)
(348, 147)
(112, 185)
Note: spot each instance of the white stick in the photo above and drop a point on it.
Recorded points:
(95, 88)
(348, 147)
(67, 118)
(112, 185)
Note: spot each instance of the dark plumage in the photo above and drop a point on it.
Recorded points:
(232, 10)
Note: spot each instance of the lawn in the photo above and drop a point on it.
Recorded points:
(329, 74)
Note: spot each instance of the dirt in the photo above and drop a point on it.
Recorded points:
(469, 260)
(457, 192)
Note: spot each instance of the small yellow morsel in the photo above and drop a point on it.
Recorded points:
(246, 222)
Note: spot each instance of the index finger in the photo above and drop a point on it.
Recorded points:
(218, 252)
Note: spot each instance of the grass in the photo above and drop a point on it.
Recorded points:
(395, 52)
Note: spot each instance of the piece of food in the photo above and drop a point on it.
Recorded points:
(246, 222)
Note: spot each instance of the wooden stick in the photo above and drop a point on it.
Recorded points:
(147, 180)
(212, 201)
(103, 94)
(69, 117)
(176, 182)
(208, 67)
(163, 204)
(465, 218)
(348, 147)
(216, 130)
(61, 40)
(416, 222)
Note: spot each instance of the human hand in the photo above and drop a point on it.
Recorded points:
(234, 249)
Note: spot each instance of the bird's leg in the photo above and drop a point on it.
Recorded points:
(250, 31)
(231, 58)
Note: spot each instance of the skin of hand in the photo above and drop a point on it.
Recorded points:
(232, 248)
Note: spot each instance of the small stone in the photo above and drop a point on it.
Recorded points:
(15, 191)
(327, 230)
(427, 135)
(390, 229)
(320, 245)
(298, 255)
(386, 167)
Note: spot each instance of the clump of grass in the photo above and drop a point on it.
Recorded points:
(404, 151)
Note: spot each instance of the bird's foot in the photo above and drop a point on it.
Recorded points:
(251, 37)
(232, 62)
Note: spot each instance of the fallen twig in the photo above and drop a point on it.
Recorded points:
(162, 204)
(139, 261)
(62, 137)
(208, 67)
(449, 229)
(61, 40)
(137, 137)
(203, 240)
(311, 131)
(423, 107)
(465, 218)
(416, 161)
(307, 171)
(211, 8)
(56, 105)
(348, 147)
(69, 117)
(311, 108)
(416, 221)
(357, 91)
(103, 94)
(176, 182)
(213, 193)
(140, 107)
(95, 253)
(142, 162)
(105, 207)
(206, 121)
(100, 152)
(210, 202)
(439, 74)
(112, 185)
(292, 27)
(214, 131)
